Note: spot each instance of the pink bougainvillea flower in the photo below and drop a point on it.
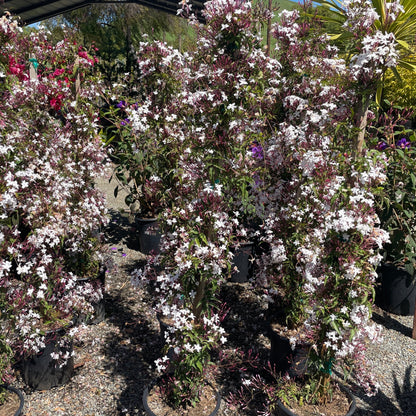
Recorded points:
(17, 69)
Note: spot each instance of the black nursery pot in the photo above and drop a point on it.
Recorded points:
(148, 235)
(243, 255)
(284, 359)
(19, 394)
(41, 372)
(397, 290)
(99, 307)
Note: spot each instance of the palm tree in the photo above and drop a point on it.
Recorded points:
(403, 27)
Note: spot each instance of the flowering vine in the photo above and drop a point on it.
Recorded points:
(50, 211)
(268, 140)
(319, 217)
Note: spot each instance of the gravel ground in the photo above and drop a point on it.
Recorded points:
(114, 359)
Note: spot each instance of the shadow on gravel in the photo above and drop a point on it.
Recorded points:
(388, 322)
(245, 321)
(121, 230)
(244, 324)
(381, 405)
(132, 351)
(406, 393)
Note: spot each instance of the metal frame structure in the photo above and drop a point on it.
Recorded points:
(33, 11)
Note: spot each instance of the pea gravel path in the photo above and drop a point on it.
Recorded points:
(114, 359)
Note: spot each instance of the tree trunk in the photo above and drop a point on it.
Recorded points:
(361, 124)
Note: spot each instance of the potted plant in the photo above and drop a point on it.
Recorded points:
(189, 268)
(215, 122)
(50, 211)
(320, 220)
(11, 398)
(395, 207)
(143, 153)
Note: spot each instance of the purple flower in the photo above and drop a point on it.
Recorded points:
(381, 146)
(121, 104)
(125, 122)
(256, 150)
(403, 143)
(257, 180)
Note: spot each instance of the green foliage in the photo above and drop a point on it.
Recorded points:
(401, 92)
(403, 27)
(85, 264)
(396, 206)
(6, 360)
(303, 390)
(145, 159)
(189, 372)
(116, 31)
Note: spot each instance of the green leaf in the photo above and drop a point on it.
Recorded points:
(109, 140)
(379, 93)
(203, 238)
(412, 242)
(408, 65)
(139, 157)
(403, 43)
(400, 153)
(15, 218)
(398, 197)
(409, 268)
(335, 326)
(129, 199)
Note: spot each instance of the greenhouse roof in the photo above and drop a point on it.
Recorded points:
(33, 11)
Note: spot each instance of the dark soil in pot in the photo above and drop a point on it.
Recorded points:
(155, 405)
(342, 404)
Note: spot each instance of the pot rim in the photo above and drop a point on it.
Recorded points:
(147, 389)
(19, 394)
(147, 219)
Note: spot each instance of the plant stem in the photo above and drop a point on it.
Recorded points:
(197, 303)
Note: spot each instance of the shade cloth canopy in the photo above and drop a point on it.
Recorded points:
(33, 11)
